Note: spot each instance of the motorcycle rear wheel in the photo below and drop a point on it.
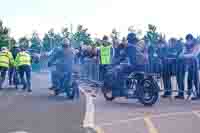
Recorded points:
(108, 94)
(71, 91)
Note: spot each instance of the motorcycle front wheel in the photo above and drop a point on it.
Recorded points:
(72, 90)
(148, 95)
(108, 93)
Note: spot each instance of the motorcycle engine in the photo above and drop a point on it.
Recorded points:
(131, 87)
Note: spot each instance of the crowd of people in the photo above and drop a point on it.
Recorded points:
(167, 58)
(17, 62)
(151, 54)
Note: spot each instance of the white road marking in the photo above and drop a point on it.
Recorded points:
(120, 121)
(90, 111)
(19, 132)
(150, 125)
(142, 117)
(196, 113)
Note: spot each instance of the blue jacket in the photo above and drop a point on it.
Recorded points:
(63, 61)
(131, 53)
(15, 51)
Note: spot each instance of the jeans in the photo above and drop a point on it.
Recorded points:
(169, 69)
(193, 74)
(13, 76)
(25, 70)
(3, 71)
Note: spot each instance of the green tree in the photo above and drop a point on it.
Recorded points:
(35, 42)
(24, 42)
(65, 32)
(58, 40)
(152, 35)
(51, 35)
(4, 35)
(81, 36)
(12, 43)
(46, 43)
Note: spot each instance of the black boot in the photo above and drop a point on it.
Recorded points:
(166, 95)
(24, 88)
(10, 82)
(197, 97)
(51, 88)
(179, 96)
(29, 90)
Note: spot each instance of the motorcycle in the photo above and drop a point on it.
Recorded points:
(136, 85)
(69, 89)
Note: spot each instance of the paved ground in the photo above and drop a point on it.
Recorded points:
(129, 116)
(39, 112)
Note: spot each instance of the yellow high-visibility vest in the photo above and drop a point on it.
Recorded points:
(6, 59)
(22, 58)
(105, 55)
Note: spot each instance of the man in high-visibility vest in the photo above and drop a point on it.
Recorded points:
(23, 65)
(105, 56)
(6, 60)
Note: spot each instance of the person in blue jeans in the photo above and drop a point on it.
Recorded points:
(23, 65)
(169, 57)
(188, 59)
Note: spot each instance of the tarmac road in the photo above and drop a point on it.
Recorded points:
(129, 116)
(38, 112)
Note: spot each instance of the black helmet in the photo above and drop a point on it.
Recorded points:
(189, 37)
(105, 38)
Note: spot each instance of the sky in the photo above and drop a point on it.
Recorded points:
(172, 17)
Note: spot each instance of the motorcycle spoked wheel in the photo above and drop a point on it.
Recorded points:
(147, 94)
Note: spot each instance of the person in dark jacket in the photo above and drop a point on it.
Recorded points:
(170, 54)
(120, 51)
(188, 59)
(136, 57)
(63, 60)
(13, 77)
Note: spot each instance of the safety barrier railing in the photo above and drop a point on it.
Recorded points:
(89, 69)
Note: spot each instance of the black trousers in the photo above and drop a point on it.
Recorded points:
(193, 75)
(3, 71)
(102, 72)
(25, 70)
(168, 70)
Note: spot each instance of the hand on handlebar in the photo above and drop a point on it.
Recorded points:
(49, 64)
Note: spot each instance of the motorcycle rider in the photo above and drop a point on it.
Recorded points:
(63, 59)
(137, 58)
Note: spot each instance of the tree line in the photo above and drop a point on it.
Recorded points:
(48, 42)
(52, 40)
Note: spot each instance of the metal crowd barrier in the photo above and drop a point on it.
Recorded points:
(89, 70)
